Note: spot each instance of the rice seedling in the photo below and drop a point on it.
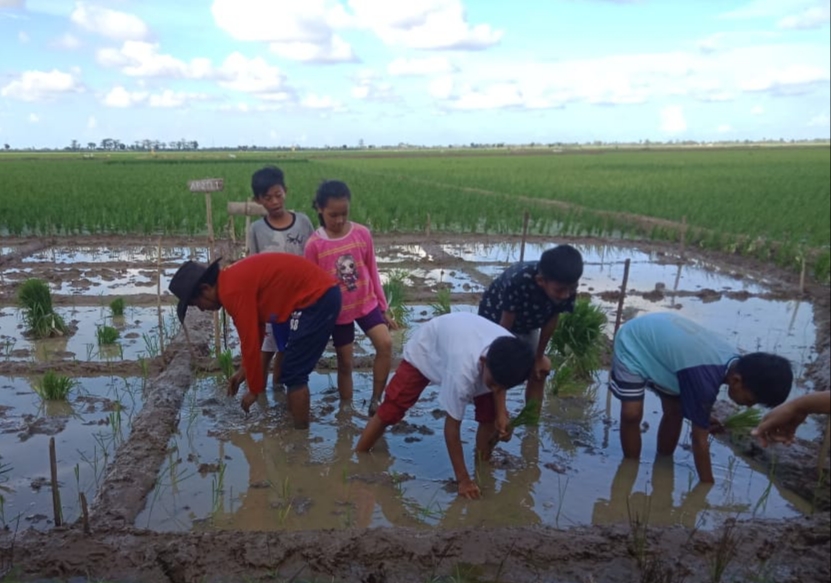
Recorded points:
(442, 303)
(107, 335)
(726, 550)
(395, 289)
(226, 364)
(578, 341)
(54, 386)
(117, 307)
(564, 382)
(743, 421)
(39, 316)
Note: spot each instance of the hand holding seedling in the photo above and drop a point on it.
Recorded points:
(389, 318)
(248, 399)
(779, 425)
(235, 381)
(469, 489)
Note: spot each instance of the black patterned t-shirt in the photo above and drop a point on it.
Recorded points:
(516, 290)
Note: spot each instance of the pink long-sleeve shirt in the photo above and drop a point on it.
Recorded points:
(351, 260)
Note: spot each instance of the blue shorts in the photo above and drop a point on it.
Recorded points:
(308, 333)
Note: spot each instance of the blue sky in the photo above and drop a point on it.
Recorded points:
(433, 72)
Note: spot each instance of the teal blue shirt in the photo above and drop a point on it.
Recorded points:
(678, 356)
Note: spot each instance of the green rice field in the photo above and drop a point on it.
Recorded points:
(773, 203)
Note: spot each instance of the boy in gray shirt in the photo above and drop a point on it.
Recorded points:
(280, 231)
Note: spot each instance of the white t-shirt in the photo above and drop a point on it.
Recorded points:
(446, 350)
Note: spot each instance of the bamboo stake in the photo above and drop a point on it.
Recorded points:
(683, 236)
(525, 218)
(210, 217)
(618, 318)
(247, 227)
(85, 513)
(159, 300)
(56, 493)
(802, 278)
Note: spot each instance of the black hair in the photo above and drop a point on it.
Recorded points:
(265, 178)
(768, 376)
(562, 264)
(328, 190)
(510, 361)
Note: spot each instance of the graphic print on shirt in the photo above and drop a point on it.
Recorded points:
(347, 271)
(296, 240)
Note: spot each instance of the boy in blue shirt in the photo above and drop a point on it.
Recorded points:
(686, 364)
(527, 300)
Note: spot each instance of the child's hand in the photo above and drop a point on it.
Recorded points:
(235, 381)
(390, 320)
(503, 426)
(716, 426)
(542, 368)
(469, 489)
(779, 425)
(248, 399)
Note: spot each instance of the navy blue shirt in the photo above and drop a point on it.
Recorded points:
(516, 290)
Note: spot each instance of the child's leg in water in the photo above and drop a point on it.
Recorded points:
(344, 354)
(382, 342)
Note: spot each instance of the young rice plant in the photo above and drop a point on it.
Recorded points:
(107, 335)
(117, 307)
(38, 314)
(54, 386)
(578, 341)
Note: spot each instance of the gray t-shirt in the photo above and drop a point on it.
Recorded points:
(263, 238)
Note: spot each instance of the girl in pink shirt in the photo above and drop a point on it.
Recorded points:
(345, 250)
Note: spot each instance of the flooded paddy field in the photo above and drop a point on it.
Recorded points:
(197, 466)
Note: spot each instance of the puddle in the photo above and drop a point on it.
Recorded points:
(227, 471)
(96, 254)
(401, 253)
(139, 335)
(95, 281)
(457, 279)
(510, 252)
(87, 428)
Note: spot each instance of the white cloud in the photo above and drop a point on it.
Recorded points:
(33, 118)
(313, 101)
(142, 59)
(109, 23)
(790, 80)
(814, 17)
(23, 37)
(757, 110)
(672, 119)
(419, 67)
(66, 41)
(370, 87)
(822, 120)
(724, 128)
(171, 99)
(441, 87)
(428, 24)
(119, 97)
(92, 123)
(41, 85)
(240, 73)
(302, 31)
(496, 96)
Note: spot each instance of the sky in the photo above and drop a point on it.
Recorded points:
(429, 72)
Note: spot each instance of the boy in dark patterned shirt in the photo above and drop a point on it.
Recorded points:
(528, 298)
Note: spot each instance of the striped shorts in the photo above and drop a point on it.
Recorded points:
(629, 386)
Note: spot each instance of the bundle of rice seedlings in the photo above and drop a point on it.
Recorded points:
(54, 386)
(117, 307)
(579, 339)
(107, 335)
(395, 289)
(442, 303)
(529, 415)
(38, 314)
(743, 421)
(226, 364)
(564, 381)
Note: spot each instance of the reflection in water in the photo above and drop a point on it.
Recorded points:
(655, 504)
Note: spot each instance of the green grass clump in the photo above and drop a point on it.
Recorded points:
(107, 335)
(442, 303)
(40, 318)
(117, 307)
(578, 341)
(54, 386)
(395, 289)
(226, 364)
(743, 421)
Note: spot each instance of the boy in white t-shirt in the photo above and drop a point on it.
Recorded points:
(473, 360)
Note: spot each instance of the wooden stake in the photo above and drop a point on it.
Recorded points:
(802, 278)
(56, 493)
(247, 226)
(683, 236)
(623, 285)
(210, 216)
(232, 232)
(85, 513)
(159, 299)
(428, 227)
(525, 218)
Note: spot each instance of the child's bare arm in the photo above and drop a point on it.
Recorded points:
(701, 454)
(453, 440)
(780, 424)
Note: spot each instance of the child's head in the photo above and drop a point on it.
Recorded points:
(269, 187)
(332, 205)
(760, 377)
(559, 271)
(508, 363)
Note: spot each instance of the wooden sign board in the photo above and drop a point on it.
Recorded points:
(206, 185)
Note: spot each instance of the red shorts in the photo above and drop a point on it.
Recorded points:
(406, 387)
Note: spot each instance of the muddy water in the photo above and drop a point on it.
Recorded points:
(87, 429)
(95, 281)
(133, 254)
(138, 328)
